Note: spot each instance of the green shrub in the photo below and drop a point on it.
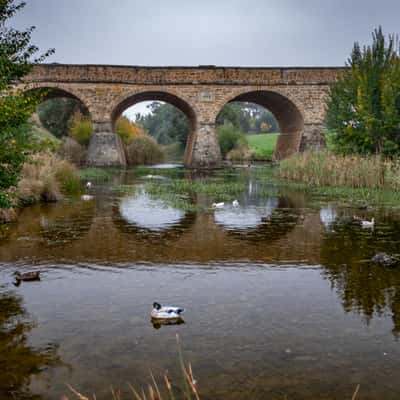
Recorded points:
(144, 150)
(81, 128)
(229, 138)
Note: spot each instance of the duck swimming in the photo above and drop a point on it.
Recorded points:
(27, 276)
(368, 224)
(218, 205)
(166, 313)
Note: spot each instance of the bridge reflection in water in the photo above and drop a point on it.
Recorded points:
(281, 297)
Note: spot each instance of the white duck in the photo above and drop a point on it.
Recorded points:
(218, 205)
(166, 312)
(86, 197)
(368, 224)
(235, 203)
(89, 185)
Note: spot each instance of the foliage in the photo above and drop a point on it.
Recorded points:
(45, 177)
(166, 123)
(230, 137)
(263, 145)
(364, 104)
(329, 169)
(25, 361)
(81, 128)
(144, 150)
(248, 117)
(127, 129)
(55, 114)
(16, 106)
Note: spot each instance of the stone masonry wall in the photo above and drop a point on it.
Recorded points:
(203, 90)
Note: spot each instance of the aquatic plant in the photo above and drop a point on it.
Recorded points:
(97, 175)
(219, 190)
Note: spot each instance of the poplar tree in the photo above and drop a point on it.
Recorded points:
(363, 107)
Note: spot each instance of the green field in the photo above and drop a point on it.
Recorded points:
(264, 145)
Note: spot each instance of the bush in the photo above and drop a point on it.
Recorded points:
(81, 128)
(229, 138)
(46, 178)
(127, 130)
(144, 150)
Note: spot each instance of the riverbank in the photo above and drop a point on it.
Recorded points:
(324, 168)
(44, 178)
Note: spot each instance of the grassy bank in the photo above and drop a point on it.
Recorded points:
(263, 145)
(44, 178)
(328, 169)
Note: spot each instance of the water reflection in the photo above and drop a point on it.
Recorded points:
(364, 288)
(145, 212)
(328, 216)
(266, 329)
(20, 361)
(140, 214)
(245, 216)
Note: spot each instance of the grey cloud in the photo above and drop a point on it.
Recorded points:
(193, 32)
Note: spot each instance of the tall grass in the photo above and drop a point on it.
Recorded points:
(328, 169)
(45, 177)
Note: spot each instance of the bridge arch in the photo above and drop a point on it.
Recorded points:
(287, 114)
(164, 96)
(53, 92)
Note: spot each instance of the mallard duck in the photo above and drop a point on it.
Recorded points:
(218, 205)
(27, 276)
(166, 313)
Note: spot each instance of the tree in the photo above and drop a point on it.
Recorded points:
(16, 106)
(56, 114)
(127, 129)
(364, 103)
(166, 123)
(248, 117)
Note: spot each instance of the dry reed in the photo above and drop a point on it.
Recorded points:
(327, 169)
(45, 177)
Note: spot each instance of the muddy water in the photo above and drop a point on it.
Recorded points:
(281, 299)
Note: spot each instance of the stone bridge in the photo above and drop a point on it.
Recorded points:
(296, 97)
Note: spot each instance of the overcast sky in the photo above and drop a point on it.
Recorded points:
(199, 32)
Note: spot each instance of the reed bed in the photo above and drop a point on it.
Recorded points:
(324, 168)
